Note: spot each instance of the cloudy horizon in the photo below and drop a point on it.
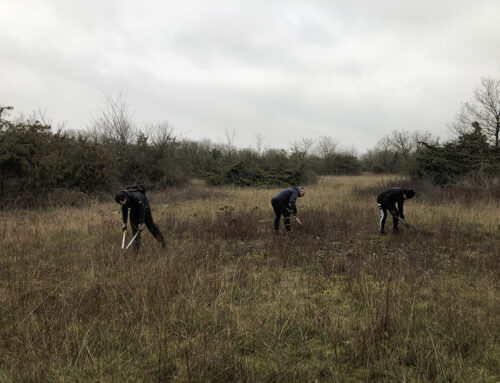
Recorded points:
(283, 70)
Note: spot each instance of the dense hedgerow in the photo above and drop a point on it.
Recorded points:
(35, 159)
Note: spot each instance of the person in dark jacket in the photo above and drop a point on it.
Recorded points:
(140, 214)
(387, 201)
(283, 202)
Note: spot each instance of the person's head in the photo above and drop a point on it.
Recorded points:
(302, 191)
(121, 198)
(408, 193)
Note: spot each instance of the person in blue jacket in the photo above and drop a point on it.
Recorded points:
(140, 214)
(387, 201)
(283, 203)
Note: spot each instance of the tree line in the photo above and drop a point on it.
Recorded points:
(36, 158)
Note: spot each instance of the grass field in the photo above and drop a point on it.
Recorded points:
(230, 301)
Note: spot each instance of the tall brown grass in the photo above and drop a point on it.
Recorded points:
(230, 301)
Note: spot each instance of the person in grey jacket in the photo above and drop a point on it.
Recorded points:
(283, 203)
(140, 214)
(387, 201)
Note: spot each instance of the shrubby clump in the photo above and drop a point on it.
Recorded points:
(36, 159)
(471, 158)
(467, 160)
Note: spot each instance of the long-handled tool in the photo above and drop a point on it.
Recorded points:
(132, 240)
(298, 221)
(405, 223)
(123, 239)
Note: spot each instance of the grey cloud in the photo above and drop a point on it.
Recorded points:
(354, 70)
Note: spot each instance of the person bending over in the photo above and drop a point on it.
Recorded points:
(283, 202)
(387, 201)
(140, 214)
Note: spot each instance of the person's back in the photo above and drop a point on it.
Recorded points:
(136, 199)
(285, 195)
(390, 196)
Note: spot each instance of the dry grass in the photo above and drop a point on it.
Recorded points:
(230, 301)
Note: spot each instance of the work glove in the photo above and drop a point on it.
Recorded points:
(295, 214)
(402, 216)
(140, 227)
(124, 227)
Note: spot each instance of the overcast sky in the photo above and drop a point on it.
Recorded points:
(354, 70)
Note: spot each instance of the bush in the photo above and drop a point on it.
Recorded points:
(469, 159)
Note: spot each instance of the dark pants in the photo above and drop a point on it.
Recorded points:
(383, 217)
(280, 209)
(148, 220)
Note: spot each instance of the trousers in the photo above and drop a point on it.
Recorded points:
(280, 209)
(150, 224)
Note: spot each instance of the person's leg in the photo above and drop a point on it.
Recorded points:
(286, 217)
(395, 222)
(148, 220)
(277, 213)
(134, 223)
(383, 217)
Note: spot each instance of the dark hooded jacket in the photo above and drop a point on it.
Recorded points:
(288, 197)
(137, 202)
(388, 199)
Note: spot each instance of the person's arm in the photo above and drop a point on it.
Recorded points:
(293, 199)
(124, 215)
(142, 212)
(400, 207)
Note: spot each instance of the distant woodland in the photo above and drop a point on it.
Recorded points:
(37, 158)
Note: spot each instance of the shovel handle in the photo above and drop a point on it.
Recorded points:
(123, 239)
(404, 222)
(298, 221)
(132, 240)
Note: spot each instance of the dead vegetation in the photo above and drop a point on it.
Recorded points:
(230, 301)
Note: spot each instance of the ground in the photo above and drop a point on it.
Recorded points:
(229, 300)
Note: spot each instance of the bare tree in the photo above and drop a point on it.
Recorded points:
(228, 141)
(38, 117)
(326, 147)
(419, 137)
(161, 135)
(259, 143)
(206, 145)
(113, 127)
(114, 124)
(402, 143)
(384, 144)
(384, 152)
(396, 151)
(483, 108)
(302, 148)
(41, 116)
